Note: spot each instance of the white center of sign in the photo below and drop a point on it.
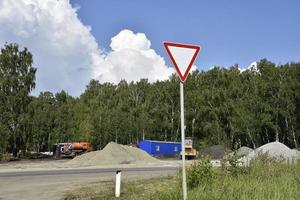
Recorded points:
(182, 56)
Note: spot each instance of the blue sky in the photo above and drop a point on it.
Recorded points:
(229, 32)
(74, 41)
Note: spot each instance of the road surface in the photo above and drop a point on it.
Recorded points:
(52, 184)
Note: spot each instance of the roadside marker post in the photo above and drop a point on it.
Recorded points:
(182, 57)
(118, 183)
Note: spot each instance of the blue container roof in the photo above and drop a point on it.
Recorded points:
(164, 142)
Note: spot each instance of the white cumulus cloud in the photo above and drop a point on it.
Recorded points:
(66, 54)
(61, 45)
(131, 58)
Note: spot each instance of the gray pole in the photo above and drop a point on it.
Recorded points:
(184, 186)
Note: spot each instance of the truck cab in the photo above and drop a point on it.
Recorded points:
(190, 151)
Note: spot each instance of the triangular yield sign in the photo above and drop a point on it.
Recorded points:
(182, 57)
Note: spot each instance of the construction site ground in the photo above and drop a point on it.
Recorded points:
(50, 179)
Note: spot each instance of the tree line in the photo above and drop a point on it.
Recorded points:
(222, 106)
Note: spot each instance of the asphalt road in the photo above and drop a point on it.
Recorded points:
(52, 184)
(84, 171)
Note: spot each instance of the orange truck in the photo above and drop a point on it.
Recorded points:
(71, 149)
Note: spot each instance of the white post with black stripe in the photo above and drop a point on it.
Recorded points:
(118, 183)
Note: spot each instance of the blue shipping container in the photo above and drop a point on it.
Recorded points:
(160, 147)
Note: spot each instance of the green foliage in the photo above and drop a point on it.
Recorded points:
(264, 180)
(4, 135)
(200, 172)
(231, 164)
(222, 106)
(17, 79)
(264, 160)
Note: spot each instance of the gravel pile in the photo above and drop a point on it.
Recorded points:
(297, 153)
(113, 154)
(215, 151)
(243, 151)
(275, 150)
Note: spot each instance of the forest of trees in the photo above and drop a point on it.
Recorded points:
(222, 106)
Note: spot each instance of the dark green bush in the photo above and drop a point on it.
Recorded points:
(232, 165)
(200, 172)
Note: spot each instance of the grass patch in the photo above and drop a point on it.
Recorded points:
(263, 179)
(130, 190)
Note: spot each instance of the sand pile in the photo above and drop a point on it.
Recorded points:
(113, 154)
(275, 150)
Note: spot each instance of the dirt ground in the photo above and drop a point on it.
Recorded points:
(30, 179)
(19, 182)
(64, 164)
(33, 164)
(40, 165)
(48, 187)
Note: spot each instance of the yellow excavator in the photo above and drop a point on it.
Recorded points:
(190, 151)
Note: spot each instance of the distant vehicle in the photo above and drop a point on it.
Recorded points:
(190, 152)
(70, 149)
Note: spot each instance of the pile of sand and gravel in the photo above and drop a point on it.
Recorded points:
(275, 150)
(215, 151)
(114, 154)
(243, 151)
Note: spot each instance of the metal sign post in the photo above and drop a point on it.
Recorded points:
(182, 57)
(184, 184)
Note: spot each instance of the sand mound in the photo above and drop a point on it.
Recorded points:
(275, 150)
(114, 154)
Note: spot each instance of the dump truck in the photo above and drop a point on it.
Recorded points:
(64, 150)
(190, 151)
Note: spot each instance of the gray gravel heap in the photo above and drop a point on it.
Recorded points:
(243, 151)
(275, 150)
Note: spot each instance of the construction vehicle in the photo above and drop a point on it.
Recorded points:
(65, 150)
(190, 151)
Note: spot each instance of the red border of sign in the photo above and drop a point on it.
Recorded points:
(167, 44)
